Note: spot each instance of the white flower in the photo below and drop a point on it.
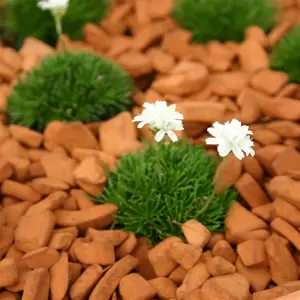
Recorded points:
(161, 118)
(231, 136)
(55, 6)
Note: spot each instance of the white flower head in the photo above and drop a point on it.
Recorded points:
(161, 118)
(57, 7)
(231, 137)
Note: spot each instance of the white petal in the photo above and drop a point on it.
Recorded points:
(52, 4)
(176, 121)
(138, 118)
(245, 144)
(223, 154)
(147, 104)
(217, 125)
(160, 135)
(43, 5)
(178, 127)
(223, 150)
(142, 124)
(251, 152)
(212, 131)
(161, 116)
(231, 136)
(245, 130)
(172, 107)
(236, 123)
(172, 136)
(179, 116)
(160, 104)
(212, 141)
(238, 153)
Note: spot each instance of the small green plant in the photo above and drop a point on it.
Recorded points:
(24, 18)
(223, 20)
(71, 86)
(286, 55)
(163, 185)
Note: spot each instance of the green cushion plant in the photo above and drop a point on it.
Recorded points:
(223, 20)
(71, 86)
(24, 18)
(286, 55)
(161, 187)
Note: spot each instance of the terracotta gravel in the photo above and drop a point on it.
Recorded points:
(55, 240)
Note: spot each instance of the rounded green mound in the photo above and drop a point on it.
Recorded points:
(222, 20)
(24, 18)
(286, 55)
(71, 86)
(161, 185)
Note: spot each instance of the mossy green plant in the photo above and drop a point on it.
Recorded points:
(221, 20)
(285, 56)
(23, 18)
(160, 186)
(71, 86)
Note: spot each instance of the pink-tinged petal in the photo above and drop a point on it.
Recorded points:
(160, 135)
(172, 136)
(212, 141)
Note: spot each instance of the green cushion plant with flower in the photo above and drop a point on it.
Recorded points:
(223, 20)
(165, 185)
(69, 86)
(285, 56)
(23, 18)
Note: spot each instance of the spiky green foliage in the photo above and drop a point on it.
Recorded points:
(286, 55)
(223, 20)
(160, 185)
(24, 18)
(70, 86)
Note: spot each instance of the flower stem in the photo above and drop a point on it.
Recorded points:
(157, 157)
(59, 32)
(213, 194)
